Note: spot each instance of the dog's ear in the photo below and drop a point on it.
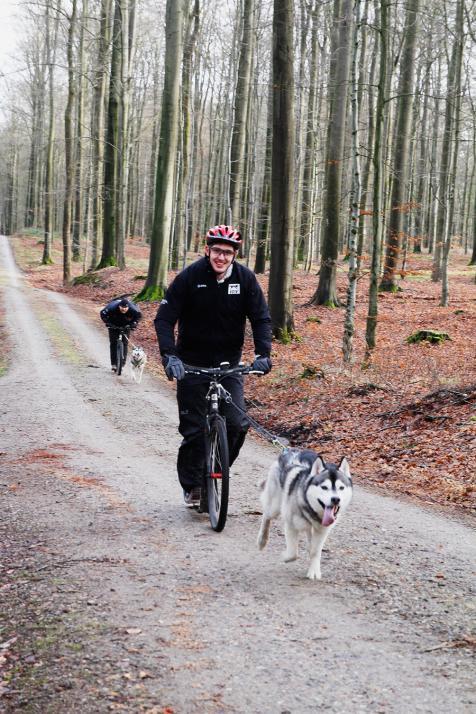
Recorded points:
(318, 466)
(344, 467)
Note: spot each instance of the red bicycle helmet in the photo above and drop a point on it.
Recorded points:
(224, 234)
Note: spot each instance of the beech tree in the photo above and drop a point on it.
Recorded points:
(282, 185)
(326, 293)
(401, 154)
(156, 282)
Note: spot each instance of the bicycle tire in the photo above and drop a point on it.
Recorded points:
(119, 356)
(218, 473)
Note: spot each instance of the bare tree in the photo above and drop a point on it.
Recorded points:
(372, 312)
(51, 36)
(156, 282)
(69, 147)
(326, 293)
(282, 187)
(401, 153)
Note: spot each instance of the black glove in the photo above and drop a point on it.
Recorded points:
(133, 325)
(261, 364)
(173, 367)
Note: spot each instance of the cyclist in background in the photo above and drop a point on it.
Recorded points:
(210, 300)
(120, 312)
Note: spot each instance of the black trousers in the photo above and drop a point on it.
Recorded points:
(113, 335)
(193, 407)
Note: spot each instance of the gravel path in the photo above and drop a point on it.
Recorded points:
(117, 598)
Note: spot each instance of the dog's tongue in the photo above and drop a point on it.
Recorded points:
(328, 516)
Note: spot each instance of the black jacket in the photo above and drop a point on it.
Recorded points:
(211, 316)
(112, 315)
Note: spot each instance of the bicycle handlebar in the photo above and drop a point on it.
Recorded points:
(221, 371)
(123, 328)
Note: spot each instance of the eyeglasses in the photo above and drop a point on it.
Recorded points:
(225, 253)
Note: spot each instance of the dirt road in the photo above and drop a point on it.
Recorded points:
(117, 598)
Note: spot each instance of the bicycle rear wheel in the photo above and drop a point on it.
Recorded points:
(119, 356)
(217, 473)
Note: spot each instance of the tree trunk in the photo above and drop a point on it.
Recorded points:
(378, 168)
(240, 111)
(326, 293)
(401, 156)
(355, 196)
(69, 150)
(454, 99)
(309, 157)
(445, 163)
(180, 243)
(50, 47)
(282, 204)
(263, 227)
(78, 188)
(97, 127)
(156, 282)
(111, 157)
(127, 9)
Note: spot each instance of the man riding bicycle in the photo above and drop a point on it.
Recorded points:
(210, 300)
(119, 313)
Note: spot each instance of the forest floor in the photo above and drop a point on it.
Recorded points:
(407, 423)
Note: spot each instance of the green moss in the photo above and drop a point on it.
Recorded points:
(286, 336)
(432, 336)
(87, 279)
(311, 372)
(389, 288)
(107, 263)
(154, 293)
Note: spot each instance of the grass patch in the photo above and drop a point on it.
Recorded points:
(5, 351)
(61, 340)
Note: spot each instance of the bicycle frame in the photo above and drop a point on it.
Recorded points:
(215, 489)
(120, 339)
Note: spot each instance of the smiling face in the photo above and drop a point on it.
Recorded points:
(221, 256)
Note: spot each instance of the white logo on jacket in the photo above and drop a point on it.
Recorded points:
(201, 285)
(234, 289)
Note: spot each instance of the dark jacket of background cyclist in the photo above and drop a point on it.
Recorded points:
(113, 316)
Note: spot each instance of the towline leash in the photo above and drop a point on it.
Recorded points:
(280, 442)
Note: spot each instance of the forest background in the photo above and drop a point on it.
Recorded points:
(340, 136)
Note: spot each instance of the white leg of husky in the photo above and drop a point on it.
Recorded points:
(318, 538)
(292, 542)
(271, 503)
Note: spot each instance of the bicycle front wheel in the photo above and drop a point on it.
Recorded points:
(218, 472)
(119, 356)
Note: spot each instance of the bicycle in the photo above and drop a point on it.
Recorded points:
(216, 481)
(120, 346)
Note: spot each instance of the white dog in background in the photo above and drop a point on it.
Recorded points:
(138, 362)
(310, 495)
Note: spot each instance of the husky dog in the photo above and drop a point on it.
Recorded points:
(138, 362)
(311, 495)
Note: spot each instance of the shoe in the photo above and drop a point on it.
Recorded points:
(192, 498)
(113, 368)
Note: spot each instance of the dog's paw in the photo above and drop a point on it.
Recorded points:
(314, 573)
(261, 541)
(289, 557)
